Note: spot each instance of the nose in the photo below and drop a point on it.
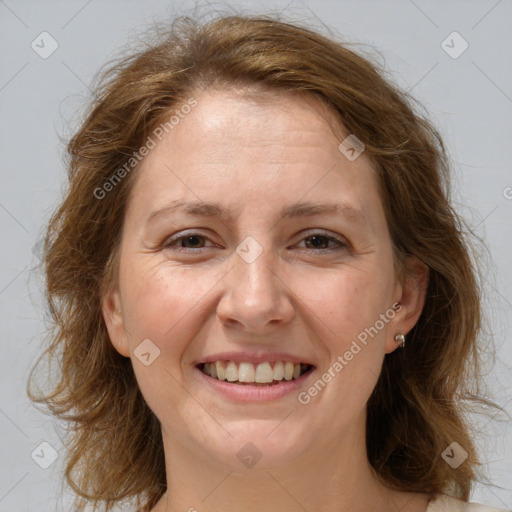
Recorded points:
(255, 299)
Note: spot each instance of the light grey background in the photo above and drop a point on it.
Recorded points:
(469, 98)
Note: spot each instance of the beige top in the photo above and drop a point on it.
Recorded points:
(445, 503)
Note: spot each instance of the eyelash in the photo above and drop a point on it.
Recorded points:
(341, 243)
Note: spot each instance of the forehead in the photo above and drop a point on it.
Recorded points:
(255, 119)
(237, 148)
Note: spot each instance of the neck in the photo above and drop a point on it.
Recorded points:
(328, 477)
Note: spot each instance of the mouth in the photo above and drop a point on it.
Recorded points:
(264, 374)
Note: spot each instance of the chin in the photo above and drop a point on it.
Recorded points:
(258, 445)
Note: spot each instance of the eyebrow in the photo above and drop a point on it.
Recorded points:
(304, 209)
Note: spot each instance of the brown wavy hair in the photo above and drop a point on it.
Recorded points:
(114, 448)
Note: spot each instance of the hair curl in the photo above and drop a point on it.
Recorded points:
(115, 450)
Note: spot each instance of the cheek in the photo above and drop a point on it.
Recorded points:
(166, 304)
(160, 301)
(351, 328)
(162, 305)
(346, 302)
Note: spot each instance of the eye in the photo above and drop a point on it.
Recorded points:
(187, 242)
(320, 242)
(316, 241)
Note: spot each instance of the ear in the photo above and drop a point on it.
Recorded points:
(411, 295)
(113, 316)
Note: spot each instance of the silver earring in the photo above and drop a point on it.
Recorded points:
(400, 339)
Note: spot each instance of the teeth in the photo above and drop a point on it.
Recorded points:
(278, 371)
(231, 372)
(288, 371)
(246, 372)
(262, 373)
(221, 373)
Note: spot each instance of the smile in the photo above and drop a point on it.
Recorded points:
(265, 374)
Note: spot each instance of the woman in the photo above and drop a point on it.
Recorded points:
(262, 297)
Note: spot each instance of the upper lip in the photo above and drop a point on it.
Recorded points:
(255, 358)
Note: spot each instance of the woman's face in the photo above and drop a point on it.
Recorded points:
(250, 237)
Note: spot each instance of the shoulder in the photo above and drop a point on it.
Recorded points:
(445, 503)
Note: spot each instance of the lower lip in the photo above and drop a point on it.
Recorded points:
(248, 393)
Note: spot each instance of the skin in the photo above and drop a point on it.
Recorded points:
(253, 157)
